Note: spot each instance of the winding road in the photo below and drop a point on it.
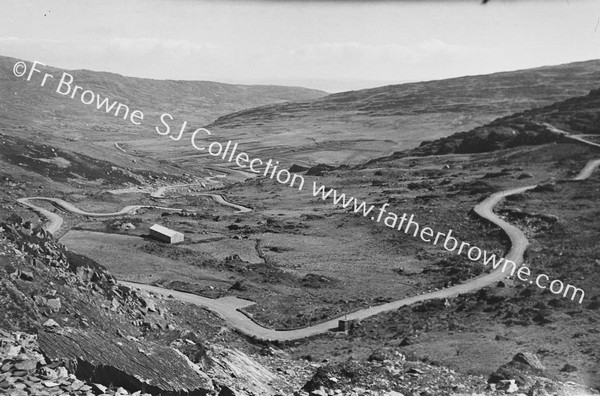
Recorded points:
(55, 221)
(588, 169)
(160, 193)
(228, 307)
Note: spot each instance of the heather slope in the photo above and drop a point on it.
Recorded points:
(30, 110)
(201, 101)
(351, 127)
(578, 116)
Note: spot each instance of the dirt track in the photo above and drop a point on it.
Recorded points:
(228, 307)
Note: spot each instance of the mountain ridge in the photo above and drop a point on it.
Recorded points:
(403, 115)
(578, 115)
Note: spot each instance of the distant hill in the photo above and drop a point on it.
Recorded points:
(29, 110)
(294, 125)
(351, 127)
(200, 101)
(579, 115)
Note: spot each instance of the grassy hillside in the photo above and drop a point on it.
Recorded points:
(200, 101)
(31, 111)
(579, 115)
(293, 125)
(351, 127)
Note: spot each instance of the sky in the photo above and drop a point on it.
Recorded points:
(329, 45)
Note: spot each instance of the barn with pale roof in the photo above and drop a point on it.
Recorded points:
(165, 234)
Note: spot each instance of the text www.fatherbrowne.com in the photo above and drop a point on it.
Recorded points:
(407, 224)
(66, 86)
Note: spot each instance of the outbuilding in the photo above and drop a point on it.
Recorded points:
(346, 324)
(165, 234)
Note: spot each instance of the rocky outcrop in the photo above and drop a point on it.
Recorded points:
(319, 170)
(388, 373)
(518, 369)
(236, 373)
(24, 371)
(97, 329)
(125, 362)
(298, 168)
(524, 373)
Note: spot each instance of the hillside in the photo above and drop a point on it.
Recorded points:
(293, 125)
(28, 109)
(579, 115)
(351, 127)
(68, 327)
(199, 101)
(286, 259)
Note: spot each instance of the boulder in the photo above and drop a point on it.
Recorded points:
(529, 359)
(319, 170)
(51, 323)
(298, 168)
(27, 275)
(568, 368)
(319, 392)
(520, 368)
(508, 386)
(379, 356)
(134, 365)
(127, 226)
(53, 304)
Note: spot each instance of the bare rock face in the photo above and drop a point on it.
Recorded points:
(529, 359)
(231, 368)
(519, 369)
(134, 365)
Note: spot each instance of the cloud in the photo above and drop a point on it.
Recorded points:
(355, 50)
(185, 59)
(145, 56)
(148, 44)
(117, 44)
(14, 41)
(356, 60)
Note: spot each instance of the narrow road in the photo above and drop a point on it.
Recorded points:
(579, 138)
(228, 307)
(588, 169)
(220, 199)
(55, 221)
(160, 192)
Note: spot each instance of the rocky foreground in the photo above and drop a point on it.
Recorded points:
(25, 371)
(68, 328)
(28, 369)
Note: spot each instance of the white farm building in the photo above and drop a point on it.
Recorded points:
(165, 234)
